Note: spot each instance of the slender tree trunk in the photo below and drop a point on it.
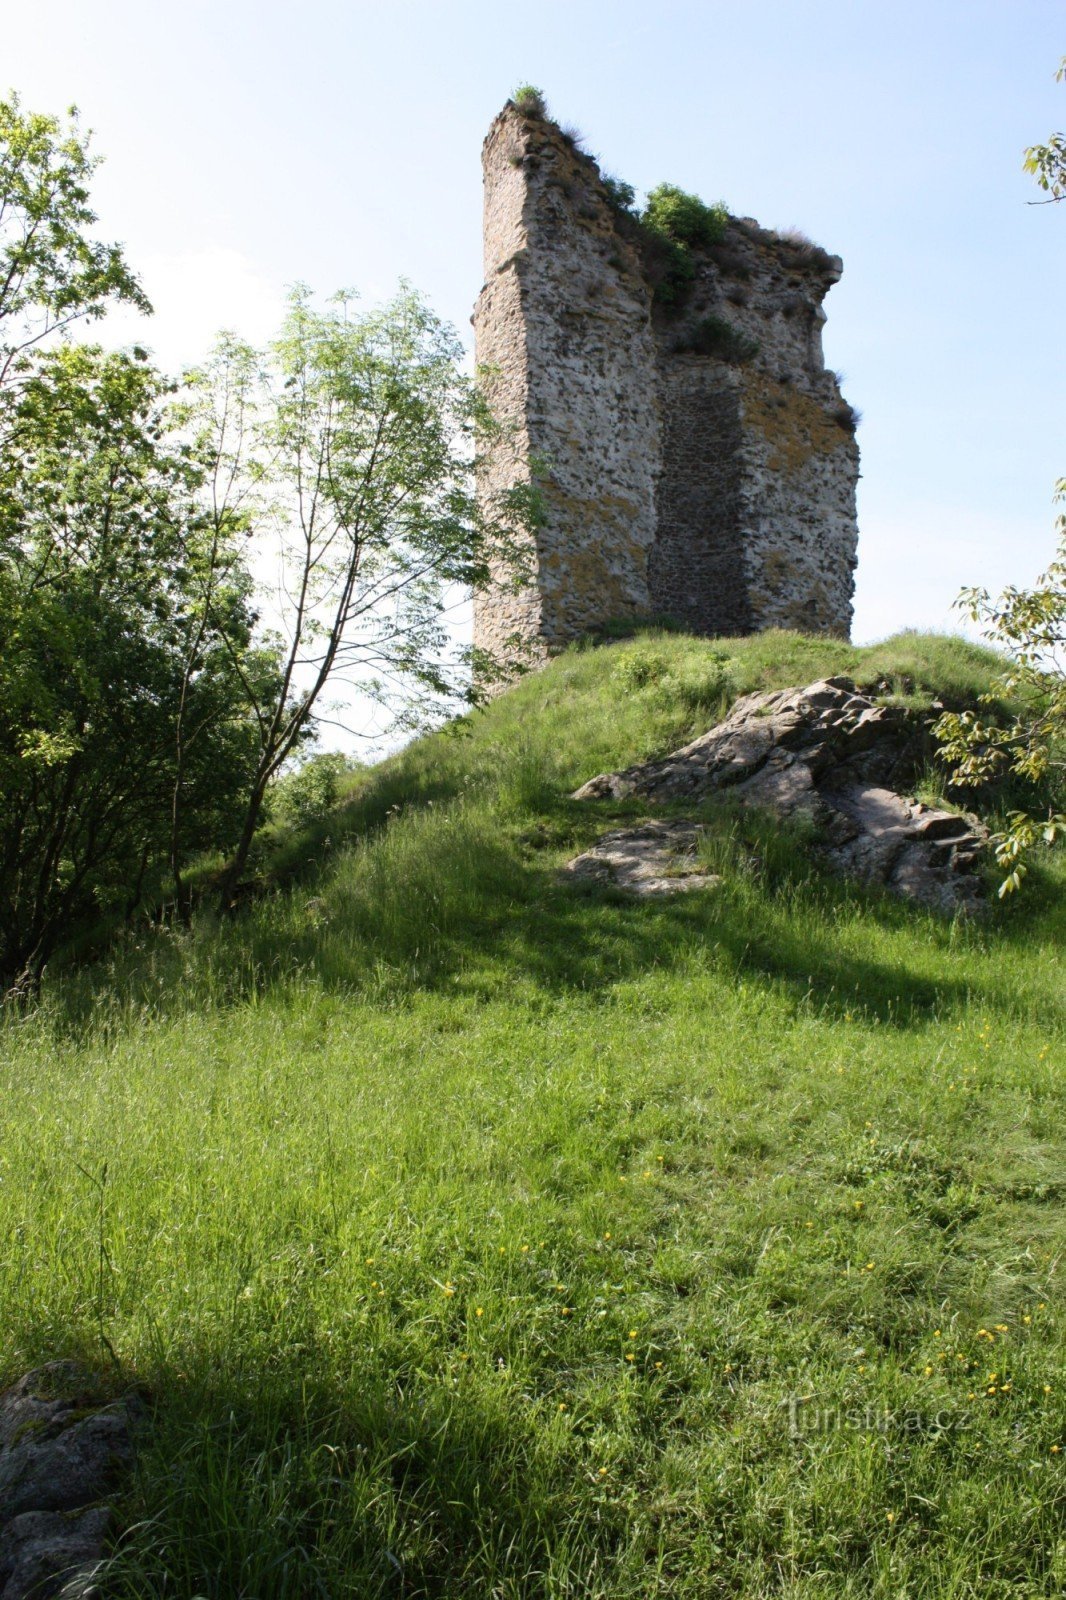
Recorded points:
(138, 888)
(232, 876)
(182, 895)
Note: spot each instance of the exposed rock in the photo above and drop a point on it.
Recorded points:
(61, 1453)
(45, 1553)
(831, 754)
(653, 858)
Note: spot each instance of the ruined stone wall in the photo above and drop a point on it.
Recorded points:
(696, 570)
(563, 337)
(756, 507)
(714, 486)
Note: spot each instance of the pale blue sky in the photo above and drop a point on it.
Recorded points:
(249, 145)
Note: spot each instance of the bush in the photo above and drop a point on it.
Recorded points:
(530, 101)
(669, 266)
(310, 791)
(620, 194)
(714, 336)
(685, 218)
(672, 223)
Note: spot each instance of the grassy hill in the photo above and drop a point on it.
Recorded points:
(476, 1236)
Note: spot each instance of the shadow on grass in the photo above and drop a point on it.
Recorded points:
(438, 905)
(280, 1484)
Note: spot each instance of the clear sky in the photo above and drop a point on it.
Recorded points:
(338, 142)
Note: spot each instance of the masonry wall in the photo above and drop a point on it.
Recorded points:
(719, 492)
(756, 506)
(563, 337)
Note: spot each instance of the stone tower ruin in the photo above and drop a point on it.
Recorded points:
(696, 461)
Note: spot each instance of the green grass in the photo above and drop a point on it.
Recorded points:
(471, 1235)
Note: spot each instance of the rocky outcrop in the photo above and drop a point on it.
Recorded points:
(61, 1454)
(834, 756)
(656, 858)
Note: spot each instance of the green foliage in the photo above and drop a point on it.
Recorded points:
(122, 745)
(309, 792)
(702, 685)
(683, 217)
(620, 194)
(353, 459)
(409, 1161)
(669, 266)
(101, 542)
(530, 101)
(52, 272)
(1047, 162)
(674, 223)
(714, 336)
(1029, 741)
(144, 707)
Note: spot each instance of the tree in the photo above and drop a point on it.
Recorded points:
(102, 537)
(53, 273)
(348, 445)
(145, 703)
(123, 741)
(1030, 625)
(1047, 162)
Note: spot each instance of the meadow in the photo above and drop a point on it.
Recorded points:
(473, 1234)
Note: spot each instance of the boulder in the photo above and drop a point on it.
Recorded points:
(61, 1453)
(827, 753)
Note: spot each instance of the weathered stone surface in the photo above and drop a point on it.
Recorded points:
(654, 858)
(60, 1455)
(565, 348)
(53, 1553)
(831, 754)
(755, 509)
(718, 491)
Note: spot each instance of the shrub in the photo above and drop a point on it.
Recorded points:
(683, 217)
(705, 683)
(714, 336)
(638, 668)
(672, 223)
(530, 101)
(669, 266)
(310, 791)
(620, 194)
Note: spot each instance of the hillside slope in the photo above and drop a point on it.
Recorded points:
(473, 1235)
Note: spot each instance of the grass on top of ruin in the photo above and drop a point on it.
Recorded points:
(474, 1235)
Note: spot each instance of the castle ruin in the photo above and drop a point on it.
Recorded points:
(696, 461)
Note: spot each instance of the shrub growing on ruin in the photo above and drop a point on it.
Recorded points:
(684, 217)
(530, 101)
(714, 336)
(620, 194)
(673, 222)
